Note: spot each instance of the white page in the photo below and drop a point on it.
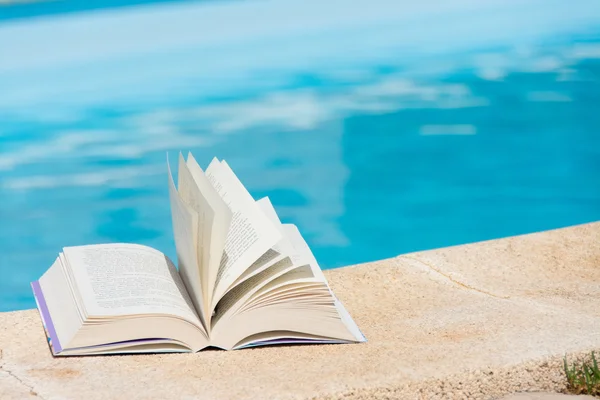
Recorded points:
(216, 225)
(251, 233)
(303, 251)
(349, 322)
(236, 296)
(72, 284)
(299, 290)
(302, 247)
(267, 207)
(61, 303)
(127, 279)
(284, 337)
(278, 252)
(185, 232)
(188, 193)
(265, 261)
(299, 274)
(285, 246)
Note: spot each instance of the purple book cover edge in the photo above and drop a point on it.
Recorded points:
(46, 318)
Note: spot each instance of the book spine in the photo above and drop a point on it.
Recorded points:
(53, 342)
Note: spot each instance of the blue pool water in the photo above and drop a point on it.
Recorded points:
(375, 137)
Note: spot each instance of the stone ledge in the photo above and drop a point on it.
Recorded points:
(478, 321)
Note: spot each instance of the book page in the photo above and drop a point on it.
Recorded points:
(283, 337)
(267, 207)
(302, 252)
(251, 233)
(295, 237)
(288, 290)
(291, 244)
(215, 227)
(300, 274)
(236, 296)
(187, 190)
(72, 285)
(185, 232)
(265, 261)
(278, 252)
(63, 314)
(126, 279)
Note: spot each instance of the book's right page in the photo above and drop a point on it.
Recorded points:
(295, 237)
(251, 233)
(294, 306)
(302, 250)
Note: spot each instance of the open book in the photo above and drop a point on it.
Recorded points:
(244, 279)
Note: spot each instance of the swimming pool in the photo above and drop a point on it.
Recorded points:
(374, 136)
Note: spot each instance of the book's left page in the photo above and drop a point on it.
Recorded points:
(60, 316)
(116, 298)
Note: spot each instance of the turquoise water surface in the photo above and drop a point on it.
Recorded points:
(380, 132)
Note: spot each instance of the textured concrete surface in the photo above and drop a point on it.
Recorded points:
(477, 321)
(544, 396)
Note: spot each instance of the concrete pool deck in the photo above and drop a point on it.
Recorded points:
(475, 321)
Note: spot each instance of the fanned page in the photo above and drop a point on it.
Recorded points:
(294, 246)
(278, 252)
(185, 231)
(216, 229)
(213, 220)
(293, 234)
(289, 301)
(251, 233)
